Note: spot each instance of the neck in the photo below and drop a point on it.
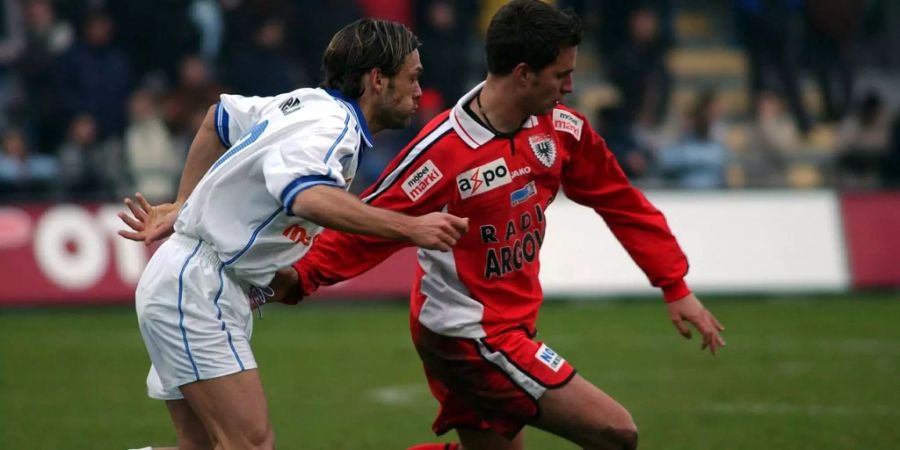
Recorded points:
(499, 105)
(367, 106)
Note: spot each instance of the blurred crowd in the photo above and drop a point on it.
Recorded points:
(99, 99)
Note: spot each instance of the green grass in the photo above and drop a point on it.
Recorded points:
(798, 373)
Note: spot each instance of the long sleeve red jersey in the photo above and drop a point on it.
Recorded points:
(503, 184)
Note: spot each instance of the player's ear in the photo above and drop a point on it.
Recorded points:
(522, 73)
(378, 80)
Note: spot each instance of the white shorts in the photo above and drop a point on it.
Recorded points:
(194, 317)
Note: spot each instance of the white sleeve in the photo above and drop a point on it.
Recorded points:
(311, 157)
(235, 114)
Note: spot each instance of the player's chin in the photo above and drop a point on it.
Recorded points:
(400, 122)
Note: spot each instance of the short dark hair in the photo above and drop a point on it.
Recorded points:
(362, 46)
(529, 31)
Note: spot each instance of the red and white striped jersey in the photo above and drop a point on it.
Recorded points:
(504, 185)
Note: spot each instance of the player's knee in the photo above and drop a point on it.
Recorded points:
(260, 437)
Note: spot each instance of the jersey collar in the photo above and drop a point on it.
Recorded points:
(469, 129)
(353, 105)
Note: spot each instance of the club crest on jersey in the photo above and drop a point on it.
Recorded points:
(483, 178)
(547, 356)
(422, 180)
(568, 122)
(544, 148)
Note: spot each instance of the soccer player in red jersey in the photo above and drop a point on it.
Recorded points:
(499, 157)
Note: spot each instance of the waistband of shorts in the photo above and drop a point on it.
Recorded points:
(205, 253)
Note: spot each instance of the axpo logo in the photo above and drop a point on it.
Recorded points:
(483, 178)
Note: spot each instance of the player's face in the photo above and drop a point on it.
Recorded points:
(550, 85)
(400, 100)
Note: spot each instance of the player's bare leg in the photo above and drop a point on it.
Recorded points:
(585, 415)
(233, 409)
(488, 440)
(192, 435)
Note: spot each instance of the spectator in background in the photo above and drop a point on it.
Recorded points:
(195, 90)
(23, 172)
(261, 67)
(154, 34)
(832, 26)
(773, 136)
(153, 164)
(12, 42)
(863, 143)
(447, 29)
(313, 36)
(890, 174)
(770, 31)
(613, 125)
(698, 160)
(46, 38)
(638, 69)
(90, 167)
(95, 77)
(207, 17)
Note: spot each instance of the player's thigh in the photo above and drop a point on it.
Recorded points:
(191, 432)
(489, 439)
(233, 408)
(582, 413)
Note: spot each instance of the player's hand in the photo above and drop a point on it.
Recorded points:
(284, 288)
(689, 308)
(437, 231)
(149, 223)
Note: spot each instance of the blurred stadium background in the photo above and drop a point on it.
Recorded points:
(766, 130)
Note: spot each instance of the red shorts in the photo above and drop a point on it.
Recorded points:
(493, 382)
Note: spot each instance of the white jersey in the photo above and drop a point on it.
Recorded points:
(277, 147)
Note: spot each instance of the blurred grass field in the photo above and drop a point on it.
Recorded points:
(798, 373)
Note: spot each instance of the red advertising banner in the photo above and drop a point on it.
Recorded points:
(872, 234)
(70, 254)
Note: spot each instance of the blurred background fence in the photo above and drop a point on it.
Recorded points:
(767, 130)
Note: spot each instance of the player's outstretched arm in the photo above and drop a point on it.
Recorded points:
(334, 208)
(690, 309)
(150, 223)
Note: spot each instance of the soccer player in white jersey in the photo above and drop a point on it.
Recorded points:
(279, 170)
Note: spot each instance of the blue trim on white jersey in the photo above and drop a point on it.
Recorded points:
(187, 348)
(357, 114)
(301, 184)
(219, 317)
(337, 141)
(222, 125)
(253, 237)
(250, 138)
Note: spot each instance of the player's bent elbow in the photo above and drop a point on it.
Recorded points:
(209, 121)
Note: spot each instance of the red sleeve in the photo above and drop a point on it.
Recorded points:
(413, 183)
(592, 177)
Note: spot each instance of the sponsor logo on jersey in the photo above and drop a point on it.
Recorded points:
(483, 179)
(290, 105)
(299, 235)
(520, 195)
(547, 356)
(566, 121)
(422, 180)
(544, 148)
(519, 172)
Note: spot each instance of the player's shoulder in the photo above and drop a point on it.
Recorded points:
(566, 120)
(314, 100)
(438, 140)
